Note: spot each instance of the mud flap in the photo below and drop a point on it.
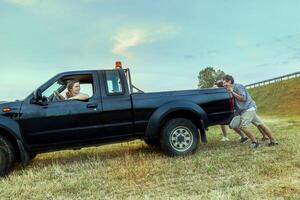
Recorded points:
(24, 155)
(203, 133)
(203, 136)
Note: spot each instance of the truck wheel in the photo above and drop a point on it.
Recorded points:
(7, 156)
(154, 142)
(179, 137)
(3, 162)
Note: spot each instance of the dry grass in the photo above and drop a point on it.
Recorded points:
(136, 171)
(279, 98)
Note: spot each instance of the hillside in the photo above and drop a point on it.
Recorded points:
(278, 98)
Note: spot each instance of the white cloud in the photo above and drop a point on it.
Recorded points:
(128, 38)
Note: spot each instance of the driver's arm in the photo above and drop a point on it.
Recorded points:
(80, 96)
(61, 97)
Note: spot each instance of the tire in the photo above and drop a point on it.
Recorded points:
(153, 142)
(3, 163)
(8, 156)
(179, 137)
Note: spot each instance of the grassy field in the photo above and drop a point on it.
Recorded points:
(278, 98)
(136, 171)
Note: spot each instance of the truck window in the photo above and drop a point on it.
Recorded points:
(60, 86)
(113, 83)
(49, 91)
(86, 88)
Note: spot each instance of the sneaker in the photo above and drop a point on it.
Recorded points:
(243, 140)
(254, 145)
(224, 139)
(273, 143)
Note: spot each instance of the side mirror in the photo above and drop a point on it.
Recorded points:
(37, 95)
(38, 98)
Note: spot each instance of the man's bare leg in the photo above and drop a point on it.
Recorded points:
(239, 131)
(244, 138)
(224, 130)
(249, 134)
(266, 130)
(262, 131)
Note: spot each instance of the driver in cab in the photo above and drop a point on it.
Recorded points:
(73, 92)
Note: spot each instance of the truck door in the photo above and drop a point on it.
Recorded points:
(117, 107)
(64, 122)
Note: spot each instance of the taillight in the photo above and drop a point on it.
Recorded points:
(231, 102)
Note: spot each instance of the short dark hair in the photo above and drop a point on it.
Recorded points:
(227, 77)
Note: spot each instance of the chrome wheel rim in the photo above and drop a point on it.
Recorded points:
(181, 138)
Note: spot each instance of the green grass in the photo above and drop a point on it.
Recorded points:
(281, 98)
(135, 171)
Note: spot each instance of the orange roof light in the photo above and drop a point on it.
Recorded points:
(118, 65)
(6, 109)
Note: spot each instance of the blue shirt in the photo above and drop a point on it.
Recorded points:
(242, 106)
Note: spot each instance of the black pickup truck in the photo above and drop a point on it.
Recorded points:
(115, 111)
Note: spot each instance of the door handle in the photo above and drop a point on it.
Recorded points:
(92, 105)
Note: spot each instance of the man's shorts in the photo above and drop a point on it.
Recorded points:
(249, 117)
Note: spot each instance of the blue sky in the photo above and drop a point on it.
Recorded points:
(165, 43)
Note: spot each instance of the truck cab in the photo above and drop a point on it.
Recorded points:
(50, 122)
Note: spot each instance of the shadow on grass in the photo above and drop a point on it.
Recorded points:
(103, 154)
(121, 150)
(106, 153)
